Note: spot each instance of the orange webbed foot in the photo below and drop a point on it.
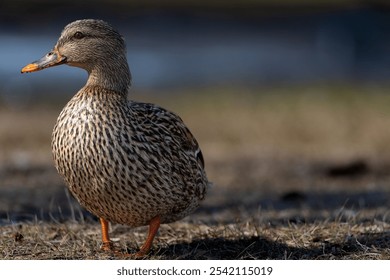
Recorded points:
(107, 245)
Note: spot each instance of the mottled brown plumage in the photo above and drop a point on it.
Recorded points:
(126, 162)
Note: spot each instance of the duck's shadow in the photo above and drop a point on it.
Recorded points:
(261, 248)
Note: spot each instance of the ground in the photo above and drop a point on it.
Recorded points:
(298, 173)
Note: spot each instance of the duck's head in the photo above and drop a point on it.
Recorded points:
(95, 46)
(85, 44)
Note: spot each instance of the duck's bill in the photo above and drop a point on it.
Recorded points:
(53, 58)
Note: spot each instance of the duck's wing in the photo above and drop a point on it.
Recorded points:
(165, 129)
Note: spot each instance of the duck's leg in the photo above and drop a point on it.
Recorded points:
(107, 246)
(154, 225)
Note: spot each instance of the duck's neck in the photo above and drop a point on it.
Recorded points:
(112, 75)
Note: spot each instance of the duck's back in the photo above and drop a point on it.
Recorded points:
(127, 161)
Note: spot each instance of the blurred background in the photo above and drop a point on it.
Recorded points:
(173, 44)
(289, 99)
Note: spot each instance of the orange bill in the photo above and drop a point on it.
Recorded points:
(30, 68)
(53, 58)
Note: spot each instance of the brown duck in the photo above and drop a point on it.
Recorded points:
(126, 162)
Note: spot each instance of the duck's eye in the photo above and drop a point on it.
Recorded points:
(78, 35)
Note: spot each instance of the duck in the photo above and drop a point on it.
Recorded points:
(124, 161)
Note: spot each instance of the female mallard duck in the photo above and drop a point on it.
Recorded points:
(126, 162)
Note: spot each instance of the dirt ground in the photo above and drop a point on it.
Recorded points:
(298, 173)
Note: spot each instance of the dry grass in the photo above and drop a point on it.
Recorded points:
(299, 173)
(183, 240)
